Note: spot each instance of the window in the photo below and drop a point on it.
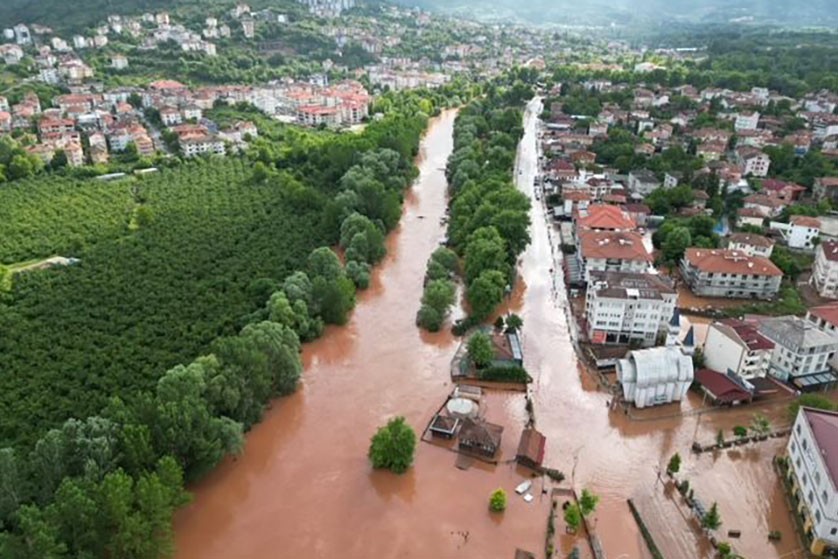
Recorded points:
(810, 496)
(833, 531)
(825, 497)
(805, 444)
(817, 517)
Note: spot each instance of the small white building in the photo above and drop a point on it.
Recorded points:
(193, 147)
(734, 345)
(800, 233)
(119, 62)
(22, 34)
(813, 472)
(170, 116)
(746, 121)
(802, 351)
(825, 273)
(643, 182)
(753, 161)
(751, 244)
(654, 376)
(624, 308)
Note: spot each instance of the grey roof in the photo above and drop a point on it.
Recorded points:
(624, 285)
(794, 332)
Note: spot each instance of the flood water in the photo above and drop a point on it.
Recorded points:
(303, 486)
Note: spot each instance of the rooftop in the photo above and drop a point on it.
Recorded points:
(724, 261)
(806, 221)
(620, 245)
(827, 313)
(604, 216)
(830, 250)
(747, 334)
(620, 285)
(722, 387)
(751, 239)
(793, 331)
(824, 425)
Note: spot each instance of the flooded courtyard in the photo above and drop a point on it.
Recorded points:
(304, 488)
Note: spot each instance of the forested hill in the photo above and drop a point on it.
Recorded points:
(628, 12)
(78, 15)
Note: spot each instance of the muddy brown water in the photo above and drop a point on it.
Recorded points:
(303, 486)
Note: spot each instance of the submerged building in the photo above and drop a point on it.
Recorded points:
(654, 376)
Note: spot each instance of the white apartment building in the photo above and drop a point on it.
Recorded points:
(192, 147)
(825, 317)
(624, 308)
(654, 376)
(813, 472)
(802, 351)
(751, 244)
(800, 232)
(746, 121)
(730, 273)
(734, 345)
(825, 273)
(753, 162)
(612, 251)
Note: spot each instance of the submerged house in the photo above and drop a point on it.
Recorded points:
(654, 376)
(508, 352)
(531, 448)
(480, 437)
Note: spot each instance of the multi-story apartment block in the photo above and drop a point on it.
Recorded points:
(734, 345)
(802, 352)
(730, 273)
(612, 251)
(626, 308)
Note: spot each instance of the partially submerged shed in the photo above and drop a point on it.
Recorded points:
(531, 448)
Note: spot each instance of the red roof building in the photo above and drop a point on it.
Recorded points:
(604, 217)
(721, 388)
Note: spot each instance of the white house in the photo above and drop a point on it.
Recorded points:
(825, 273)
(800, 232)
(11, 54)
(643, 182)
(753, 161)
(751, 244)
(730, 273)
(654, 376)
(746, 121)
(623, 308)
(612, 251)
(192, 147)
(119, 62)
(734, 345)
(22, 34)
(802, 351)
(813, 472)
(170, 116)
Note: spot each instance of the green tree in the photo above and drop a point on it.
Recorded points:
(760, 425)
(486, 293)
(497, 500)
(480, 350)
(429, 318)
(815, 401)
(712, 520)
(5, 278)
(740, 432)
(439, 294)
(675, 244)
(573, 517)
(588, 502)
(393, 446)
(486, 250)
(514, 323)
(674, 465)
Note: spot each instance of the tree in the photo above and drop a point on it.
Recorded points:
(720, 438)
(480, 350)
(393, 446)
(587, 502)
(486, 250)
(760, 425)
(712, 520)
(815, 401)
(324, 263)
(5, 278)
(674, 465)
(514, 323)
(497, 501)
(573, 517)
(429, 318)
(740, 432)
(439, 294)
(675, 244)
(486, 293)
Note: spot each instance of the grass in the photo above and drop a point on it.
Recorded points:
(788, 301)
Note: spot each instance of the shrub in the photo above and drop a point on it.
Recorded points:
(497, 501)
(429, 319)
(505, 374)
(480, 350)
(674, 465)
(573, 517)
(740, 432)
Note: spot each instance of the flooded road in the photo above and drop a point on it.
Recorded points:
(304, 488)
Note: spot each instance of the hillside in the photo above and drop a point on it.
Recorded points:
(627, 12)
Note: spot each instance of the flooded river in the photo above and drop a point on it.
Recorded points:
(304, 488)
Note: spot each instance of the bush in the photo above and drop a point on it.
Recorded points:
(505, 374)
(674, 465)
(429, 319)
(740, 432)
(393, 446)
(497, 502)
(480, 350)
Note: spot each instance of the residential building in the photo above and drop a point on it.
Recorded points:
(643, 182)
(813, 473)
(170, 116)
(750, 216)
(751, 244)
(826, 188)
(730, 273)
(734, 345)
(192, 147)
(802, 351)
(612, 251)
(119, 62)
(746, 121)
(753, 161)
(604, 217)
(654, 376)
(825, 271)
(11, 54)
(825, 317)
(800, 233)
(628, 308)
(672, 179)
(768, 206)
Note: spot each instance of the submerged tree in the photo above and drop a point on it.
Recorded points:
(497, 501)
(393, 446)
